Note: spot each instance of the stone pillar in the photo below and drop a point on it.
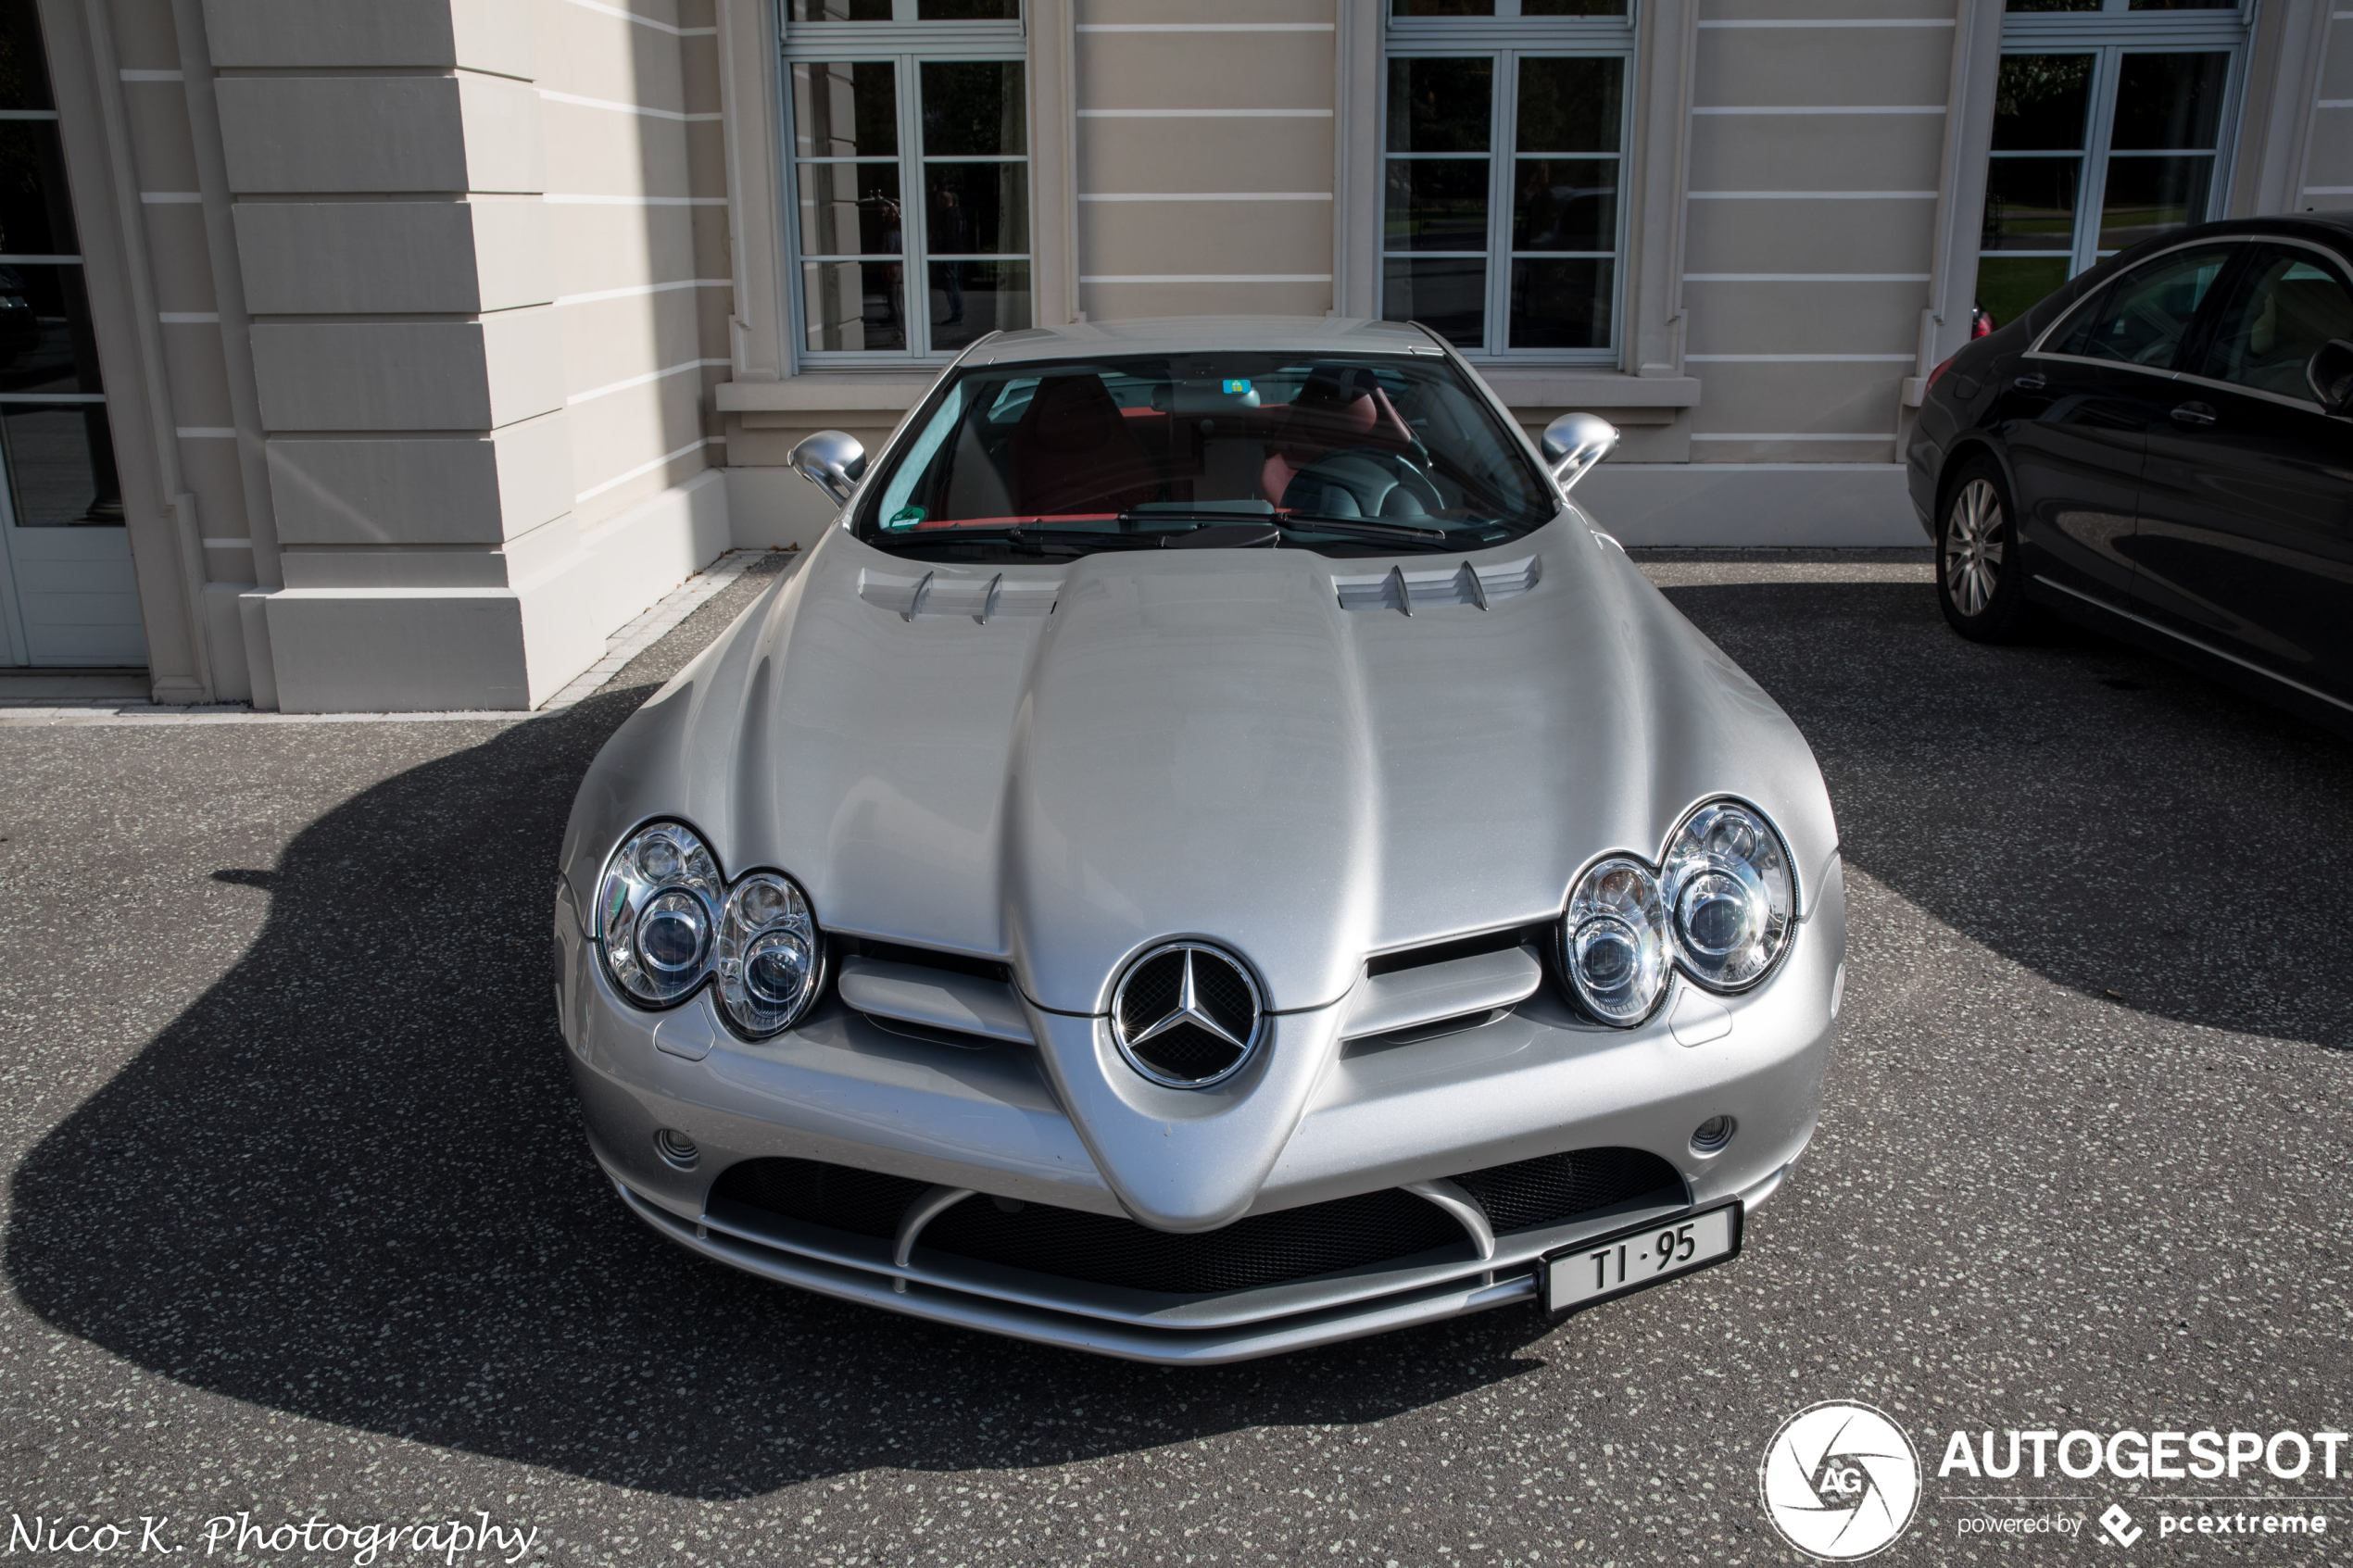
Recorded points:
(386, 159)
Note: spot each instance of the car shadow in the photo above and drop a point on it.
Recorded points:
(349, 1183)
(2109, 821)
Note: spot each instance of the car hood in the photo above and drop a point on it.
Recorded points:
(1062, 765)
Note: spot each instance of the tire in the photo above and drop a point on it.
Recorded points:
(1980, 575)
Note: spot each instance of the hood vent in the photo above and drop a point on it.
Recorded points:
(933, 998)
(983, 599)
(1411, 592)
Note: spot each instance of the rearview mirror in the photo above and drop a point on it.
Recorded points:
(2330, 373)
(1573, 443)
(832, 461)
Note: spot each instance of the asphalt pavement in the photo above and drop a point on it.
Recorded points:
(300, 1224)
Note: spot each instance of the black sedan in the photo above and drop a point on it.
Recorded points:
(2163, 449)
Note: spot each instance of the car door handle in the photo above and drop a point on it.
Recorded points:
(2193, 414)
(2029, 382)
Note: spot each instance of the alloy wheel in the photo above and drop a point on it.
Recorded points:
(1973, 547)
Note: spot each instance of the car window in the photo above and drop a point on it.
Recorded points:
(2282, 309)
(1346, 454)
(2142, 318)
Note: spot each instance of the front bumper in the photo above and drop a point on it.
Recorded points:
(1538, 1082)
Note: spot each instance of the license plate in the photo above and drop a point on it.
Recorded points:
(1632, 1258)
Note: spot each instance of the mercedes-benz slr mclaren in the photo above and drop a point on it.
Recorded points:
(1211, 852)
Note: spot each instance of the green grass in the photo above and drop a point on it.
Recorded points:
(2008, 287)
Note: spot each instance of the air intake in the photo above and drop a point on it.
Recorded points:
(984, 599)
(1557, 1187)
(1385, 1227)
(1413, 592)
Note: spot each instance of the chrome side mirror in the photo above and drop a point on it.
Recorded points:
(2330, 374)
(835, 462)
(1573, 443)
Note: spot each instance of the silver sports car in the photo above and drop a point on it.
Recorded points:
(1215, 853)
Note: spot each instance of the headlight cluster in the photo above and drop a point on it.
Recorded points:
(666, 921)
(1720, 911)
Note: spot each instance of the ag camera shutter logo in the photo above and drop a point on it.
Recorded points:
(1839, 1481)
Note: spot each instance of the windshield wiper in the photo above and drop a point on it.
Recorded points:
(1086, 538)
(1241, 512)
(1024, 539)
(1359, 528)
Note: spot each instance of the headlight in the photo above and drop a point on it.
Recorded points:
(1727, 895)
(769, 956)
(655, 909)
(667, 921)
(1614, 943)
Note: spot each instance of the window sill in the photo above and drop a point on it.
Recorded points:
(823, 391)
(1567, 388)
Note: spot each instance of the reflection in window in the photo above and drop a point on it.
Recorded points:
(2096, 149)
(2034, 179)
(1504, 9)
(2142, 318)
(903, 10)
(913, 197)
(1501, 215)
(54, 438)
(60, 465)
(2277, 316)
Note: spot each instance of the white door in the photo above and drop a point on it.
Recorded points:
(67, 592)
(65, 556)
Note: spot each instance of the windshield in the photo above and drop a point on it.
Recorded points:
(1348, 456)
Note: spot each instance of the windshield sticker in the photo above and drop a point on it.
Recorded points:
(905, 517)
(1236, 388)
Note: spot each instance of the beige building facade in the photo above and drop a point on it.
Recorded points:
(388, 355)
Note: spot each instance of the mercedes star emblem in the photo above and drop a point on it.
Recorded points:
(1186, 1015)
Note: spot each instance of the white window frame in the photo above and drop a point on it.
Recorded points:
(1507, 38)
(906, 44)
(2108, 35)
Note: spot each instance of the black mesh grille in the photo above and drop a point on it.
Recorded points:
(1186, 1053)
(1223, 993)
(1557, 1187)
(1293, 1244)
(1264, 1250)
(1152, 993)
(924, 957)
(862, 1202)
(1540, 938)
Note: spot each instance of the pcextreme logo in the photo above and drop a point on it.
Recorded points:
(1839, 1481)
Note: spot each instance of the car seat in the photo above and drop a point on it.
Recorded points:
(1073, 452)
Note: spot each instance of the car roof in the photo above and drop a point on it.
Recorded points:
(1194, 334)
(2334, 229)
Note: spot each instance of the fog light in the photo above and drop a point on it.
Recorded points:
(676, 1148)
(1711, 1136)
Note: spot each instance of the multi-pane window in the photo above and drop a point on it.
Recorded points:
(53, 407)
(2101, 145)
(910, 175)
(1502, 215)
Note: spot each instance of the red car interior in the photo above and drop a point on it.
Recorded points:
(1076, 453)
(1073, 452)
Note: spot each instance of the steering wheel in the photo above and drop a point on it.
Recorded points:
(1380, 483)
